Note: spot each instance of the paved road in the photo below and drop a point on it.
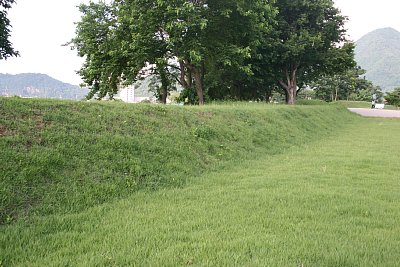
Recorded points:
(383, 113)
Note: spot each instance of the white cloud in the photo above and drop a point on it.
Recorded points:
(40, 28)
(368, 15)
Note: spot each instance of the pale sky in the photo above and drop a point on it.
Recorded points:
(40, 27)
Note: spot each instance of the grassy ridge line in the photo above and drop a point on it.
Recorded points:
(68, 156)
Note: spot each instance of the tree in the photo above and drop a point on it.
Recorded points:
(6, 49)
(348, 85)
(127, 39)
(163, 83)
(309, 41)
(209, 40)
(98, 40)
(393, 98)
(232, 70)
(146, 43)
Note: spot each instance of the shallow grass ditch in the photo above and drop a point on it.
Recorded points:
(62, 157)
(333, 200)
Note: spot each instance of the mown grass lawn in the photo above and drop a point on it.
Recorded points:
(361, 104)
(333, 202)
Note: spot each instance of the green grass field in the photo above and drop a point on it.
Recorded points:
(61, 157)
(324, 192)
(361, 104)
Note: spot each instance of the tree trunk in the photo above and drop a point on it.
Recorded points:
(290, 85)
(164, 86)
(336, 93)
(195, 73)
(291, 96)
(268, 95)
(164, 93)
(186, 76)
(199, 86)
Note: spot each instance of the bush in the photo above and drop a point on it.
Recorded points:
(393, 98)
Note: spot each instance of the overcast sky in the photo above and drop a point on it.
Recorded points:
(40, 27)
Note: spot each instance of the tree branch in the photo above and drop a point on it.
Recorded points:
(283, 84)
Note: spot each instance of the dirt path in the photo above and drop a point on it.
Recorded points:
(383, 113)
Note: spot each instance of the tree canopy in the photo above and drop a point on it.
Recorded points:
(309, 41)
(6, 48)
(218, 49)
(348, 85)
(393, 98)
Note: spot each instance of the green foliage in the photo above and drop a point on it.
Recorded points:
(121, 38)
(232, 72)
(66, 156)
(97, 39)
(349, 85)
(308, 41)
(162, 83)
(6, 49)
(227, 49)
(393, 98)
(188, 96)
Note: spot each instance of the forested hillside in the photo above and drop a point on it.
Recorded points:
(379, 53)
(38, 85)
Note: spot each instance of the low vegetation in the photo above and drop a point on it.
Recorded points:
(68, 156)
(360, 104)
(290, 186)
(393, 98)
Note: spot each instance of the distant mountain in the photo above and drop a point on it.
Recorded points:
(38, 85)
(378, 52)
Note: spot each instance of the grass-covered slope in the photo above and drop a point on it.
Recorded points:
(68, 156)
(330, 200)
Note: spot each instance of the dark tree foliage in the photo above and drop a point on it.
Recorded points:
(217, 49)
(309, 41)
(393, 98)
(349, 85)
(6, 48)
(206, 41)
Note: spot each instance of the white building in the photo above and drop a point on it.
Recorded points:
(127, 94)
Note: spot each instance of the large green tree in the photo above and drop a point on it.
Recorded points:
(6, 47)
(232, 70)
(309, 41)
(194, 37)
(209, 40)
(348, 85)
(98, 41)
